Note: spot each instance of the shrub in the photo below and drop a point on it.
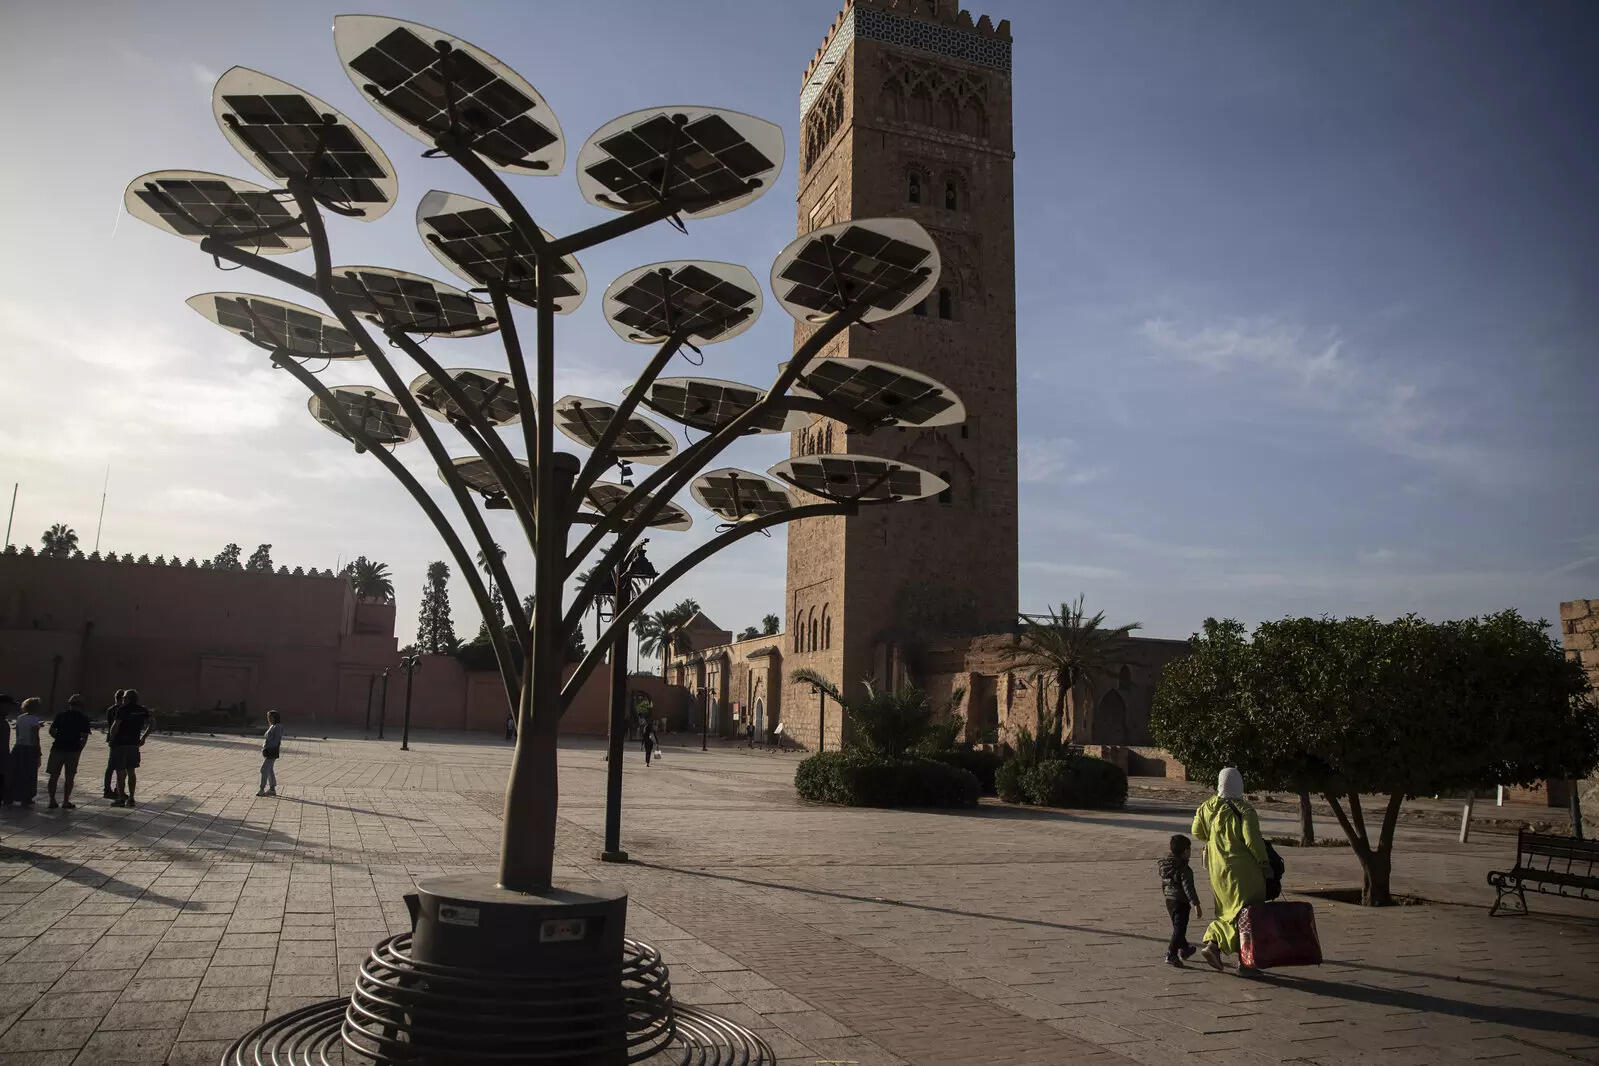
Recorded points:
(980, 764)
(1080, 781)
(858, 779)
(1008, 780)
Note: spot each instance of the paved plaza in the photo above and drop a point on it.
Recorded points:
(1006, 935)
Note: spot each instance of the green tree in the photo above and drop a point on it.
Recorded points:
(662, 632)
(770, 625)
(496, 598)
(260, 560)
(750, 633)
(227, 559)
(59, 541)
(435, 632)
(369, 579)
(890, 723)
(1066, 648)
(1352, 707)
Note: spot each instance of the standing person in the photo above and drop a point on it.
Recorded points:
(22, 777)
(110, 720)
(1177, 885)
(749, 731)
(271, 744)
(650, 743)
(132, 725)
(510, 725)
(69, 732)
(1236, 857)
(8, 707)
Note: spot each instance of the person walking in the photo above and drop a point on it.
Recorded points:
(8, 707)
(110, 720)
(69, 732)
(271, 744)
(510, 725)
(133, 724)
(22, 776)
(1236, 856)
(1177, 886)
(649, 742)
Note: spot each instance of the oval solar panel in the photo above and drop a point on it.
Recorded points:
(378, 414)
(428, 83)
(858, 478)
(477, 241)
(287, 133)
(195, 205)
(881, 393)
(479, 476)
(491, 392)
(891, 262)
(606, 496)
(411, 303)
(740, 496)
(708, 404)
(641, 441)
(278, 325)
(711, 301)
(714, 161)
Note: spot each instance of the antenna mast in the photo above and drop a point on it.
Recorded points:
(13, 514)
(101, 522)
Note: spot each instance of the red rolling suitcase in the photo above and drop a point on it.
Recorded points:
(1278, 934)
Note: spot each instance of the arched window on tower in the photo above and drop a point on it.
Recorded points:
(946, 303)
(814, 631)
(799, 631)
(951, 196)
(827, 628)
(913, 191)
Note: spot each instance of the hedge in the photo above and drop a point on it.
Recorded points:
(855, 779)
(1008, 781)
(1079, 781)
(982, 764)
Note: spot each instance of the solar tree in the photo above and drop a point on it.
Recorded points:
(547, 968)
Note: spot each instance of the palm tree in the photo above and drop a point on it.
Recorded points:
(59, 541)
(494, 593)
(1067, 648)
(369, 579)
(770, 625)
(661, 632)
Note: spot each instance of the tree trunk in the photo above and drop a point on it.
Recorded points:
(1375, 868)
(1307, 828)
(1038, 694)
(1060, 711)
(527, 847)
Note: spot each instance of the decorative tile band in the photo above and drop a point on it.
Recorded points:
(903, 32)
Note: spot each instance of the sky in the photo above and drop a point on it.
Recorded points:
(1305, 293)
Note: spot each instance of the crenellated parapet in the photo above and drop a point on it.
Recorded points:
(937, 27)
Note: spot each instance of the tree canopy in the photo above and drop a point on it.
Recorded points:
(260, 560)
(1068, 648)
(370, 579)
(228, 558)
(435, 631)
(770, 625)
(59, 541)
(1354, 706)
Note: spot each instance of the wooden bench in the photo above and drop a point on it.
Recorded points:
(1554, 865)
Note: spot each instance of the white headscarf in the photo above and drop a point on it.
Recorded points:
(1230, 783)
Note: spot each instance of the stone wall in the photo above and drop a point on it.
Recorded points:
(1579, 632)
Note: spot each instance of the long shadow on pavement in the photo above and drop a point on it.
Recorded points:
(78, 873)
(1585, 1024)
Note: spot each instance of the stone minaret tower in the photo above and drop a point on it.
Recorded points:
(906, 110)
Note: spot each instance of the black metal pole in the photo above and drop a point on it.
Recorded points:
(410, 672)
(383, 707)
(705, 718)
(371, 683)
(613, 767)
(55, 673)
(821, 719)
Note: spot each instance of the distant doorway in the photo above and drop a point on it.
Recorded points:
(760, 718)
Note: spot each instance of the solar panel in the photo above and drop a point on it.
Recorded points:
(863, 478)
(718, 160)
(411, 303)
(740, 496)
(890, 261)
(288, 133)
(881, 393)
(196, 205)
(479, 475)
(377, 413)
(491, 391)
(429, 83)
(713, 301)
(477, 241)
(708, 404)
(641, 440)
(278, 325)
(606, 496)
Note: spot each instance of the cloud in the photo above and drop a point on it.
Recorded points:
(1315, 371)
(1079, 570)
(1377, 556)
(1050, 459)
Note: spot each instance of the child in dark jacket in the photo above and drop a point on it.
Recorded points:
(1177, 885)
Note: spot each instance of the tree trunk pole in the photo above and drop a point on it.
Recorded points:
(612, 851)
(1307, 827)
(1465, 817)
(1575, 787)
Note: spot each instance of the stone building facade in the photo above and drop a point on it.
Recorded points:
(906, 110)
(1579, 633)
(730, 683)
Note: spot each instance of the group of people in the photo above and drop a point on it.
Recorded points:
(1244, 870)
(127, 724)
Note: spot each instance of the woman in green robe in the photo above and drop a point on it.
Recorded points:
(1236, 856)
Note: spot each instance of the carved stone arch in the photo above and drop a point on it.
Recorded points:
(799, 632)
(812, 638)
(973, 117)
(920, 109)
(953, 190)
(947, 113)
(935, 450)
(893, 99)
(825, 117)
(827, 627)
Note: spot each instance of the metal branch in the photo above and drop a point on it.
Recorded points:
(624, 618)
(442, 524)
(599, 458)
(684, 469)
(641, 491)
(374, 353)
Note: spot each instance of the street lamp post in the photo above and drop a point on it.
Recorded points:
(410, 663)
(821, 718)
(636, 570)
(371, 683)
(383, 704)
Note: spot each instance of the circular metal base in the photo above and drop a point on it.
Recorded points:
(395, 995)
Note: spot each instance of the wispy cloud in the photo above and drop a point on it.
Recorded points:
(1316, 371)
(1050, 568)
(1053, 459)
